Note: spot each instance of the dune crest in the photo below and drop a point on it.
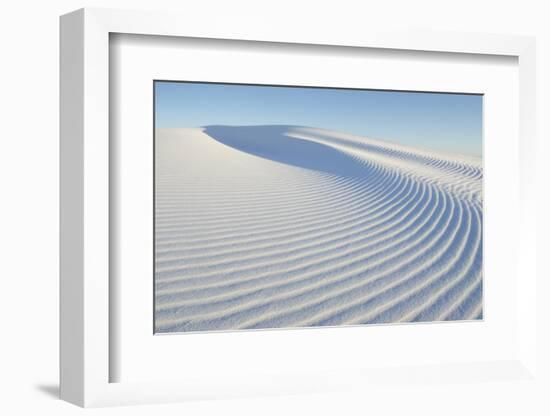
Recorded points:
(289, 226)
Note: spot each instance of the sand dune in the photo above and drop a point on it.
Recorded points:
(284, 226)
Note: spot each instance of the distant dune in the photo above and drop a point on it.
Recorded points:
(285, 226)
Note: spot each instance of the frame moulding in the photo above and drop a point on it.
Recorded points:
(84, 184)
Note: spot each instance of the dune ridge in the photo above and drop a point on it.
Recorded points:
(290, 226)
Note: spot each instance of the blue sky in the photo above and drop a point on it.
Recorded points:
(449, 122)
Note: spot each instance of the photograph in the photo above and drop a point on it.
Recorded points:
(279, 207)
(275, 208)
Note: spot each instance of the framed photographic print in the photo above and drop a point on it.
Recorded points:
(254, 213)
(275, 207)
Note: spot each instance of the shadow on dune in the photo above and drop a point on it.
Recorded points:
(273, 143)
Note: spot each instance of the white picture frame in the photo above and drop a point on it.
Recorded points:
(85, 221)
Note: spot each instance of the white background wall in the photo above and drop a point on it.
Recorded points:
(29, 189)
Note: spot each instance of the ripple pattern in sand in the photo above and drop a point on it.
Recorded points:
(282, 226)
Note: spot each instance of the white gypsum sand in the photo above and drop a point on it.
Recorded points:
(284, 226)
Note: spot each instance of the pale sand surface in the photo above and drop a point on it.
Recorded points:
(282, 226)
